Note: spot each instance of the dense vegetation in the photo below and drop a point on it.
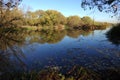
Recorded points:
(113, 35)
(49, 19)
(54, 19)
(9, 14)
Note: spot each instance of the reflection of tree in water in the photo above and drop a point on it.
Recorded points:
(4, 62)
(52, 36)
(113, 35)
(86, 33)
(19, 38)
(77, 33)
(45, 36)
(10, 39)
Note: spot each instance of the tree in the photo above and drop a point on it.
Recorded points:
(6, 6)
(52, 17)
(87, 20)
(39, 14)
(44, 18)
(15, 18)
(113, 35)
(30, 18)
(73, 21)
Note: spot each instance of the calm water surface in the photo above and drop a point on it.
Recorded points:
(90, 49)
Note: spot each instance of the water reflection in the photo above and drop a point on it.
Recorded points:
(76, 33)
(44, 36)
(51, 36)
(76, 57)
(10, 53)
(11, 40)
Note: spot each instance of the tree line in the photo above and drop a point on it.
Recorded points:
(12, 16)
(17, 18)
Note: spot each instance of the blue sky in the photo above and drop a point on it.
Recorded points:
(67, 8)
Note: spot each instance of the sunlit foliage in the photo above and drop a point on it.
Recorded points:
(74, 21)
(87, 20)
(7, 8)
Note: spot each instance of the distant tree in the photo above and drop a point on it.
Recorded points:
(52, 17)
(73, 21)
(87, 20)
(39, 14)
(30, 18)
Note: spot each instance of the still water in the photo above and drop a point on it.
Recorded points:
(59, 49)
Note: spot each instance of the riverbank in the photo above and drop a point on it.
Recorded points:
(53, 73)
